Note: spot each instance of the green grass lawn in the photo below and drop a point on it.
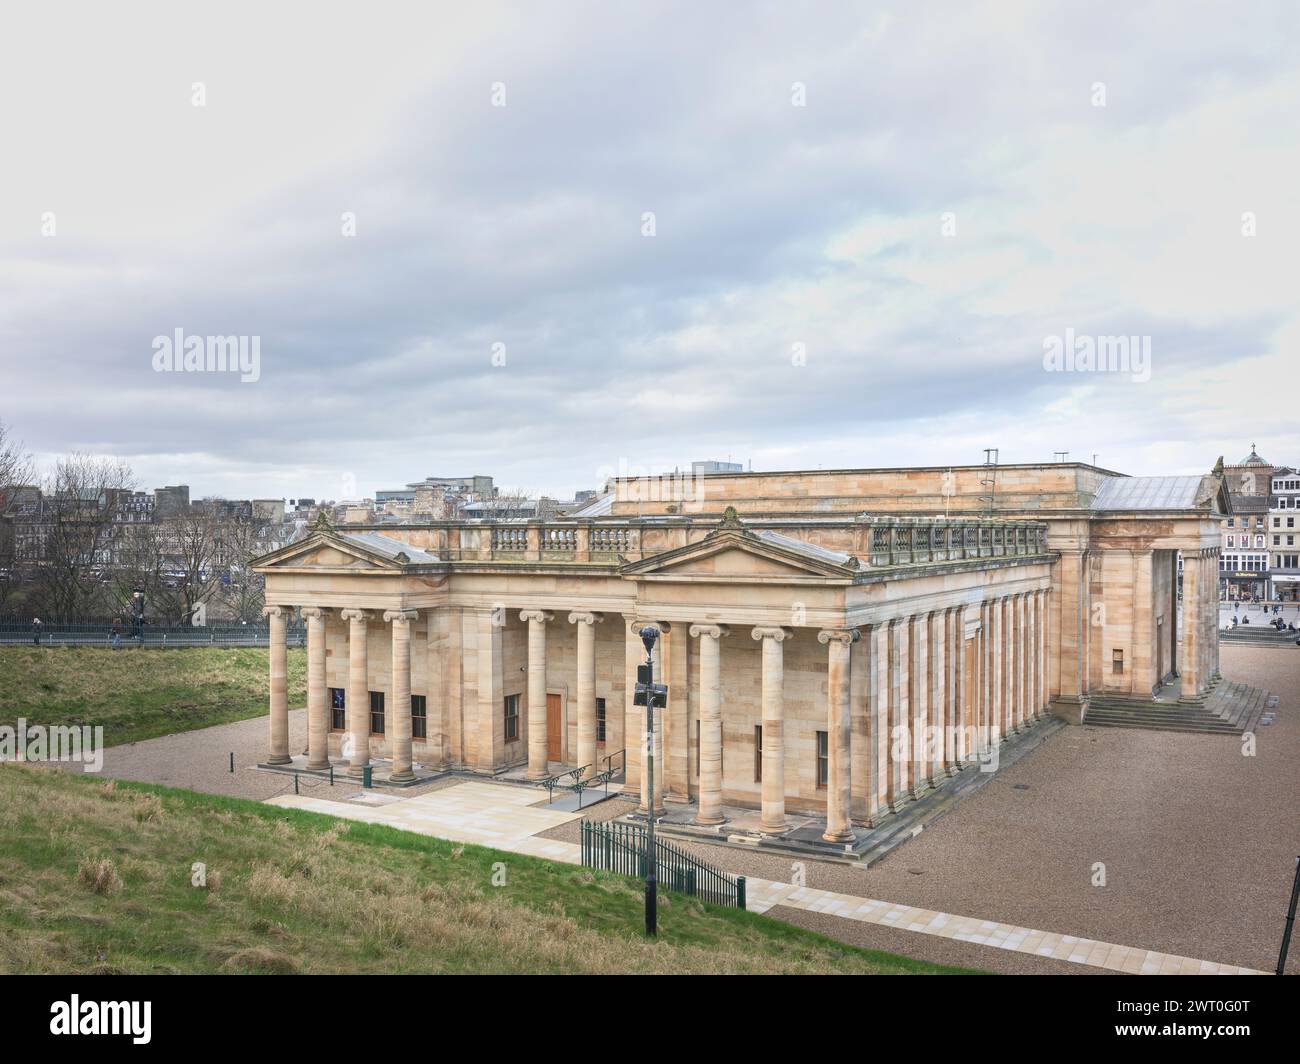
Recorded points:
(95, 876)
(140, 693)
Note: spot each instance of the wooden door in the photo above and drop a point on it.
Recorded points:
(553, 727)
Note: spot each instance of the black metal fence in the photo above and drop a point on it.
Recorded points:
(621, 848)
(150, 635)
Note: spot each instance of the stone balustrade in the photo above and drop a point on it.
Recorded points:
(876, 542)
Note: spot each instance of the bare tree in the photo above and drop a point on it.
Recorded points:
(77, 530)
(15, 473)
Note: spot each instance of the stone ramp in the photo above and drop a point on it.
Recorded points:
(1229, 709)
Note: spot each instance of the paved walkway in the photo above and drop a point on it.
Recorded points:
(505, 818)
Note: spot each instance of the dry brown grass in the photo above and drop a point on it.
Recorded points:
(301, 893)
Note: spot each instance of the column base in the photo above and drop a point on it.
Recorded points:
(403, 776)
(710, 821)
(279, 759)
(839, 836)
(316, 766)
(357, 771)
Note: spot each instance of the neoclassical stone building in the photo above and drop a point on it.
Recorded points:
(836, 642)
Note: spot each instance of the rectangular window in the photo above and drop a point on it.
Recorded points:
(1117, 661)
(600, 720)
(376, 712)
(419, 717)
(758, 754)
(338, 709)
(512, 718)
(823, 760)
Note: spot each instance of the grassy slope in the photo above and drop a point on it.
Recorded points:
(95, 876)
(140, 693)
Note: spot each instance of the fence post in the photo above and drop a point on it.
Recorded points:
(740, 891)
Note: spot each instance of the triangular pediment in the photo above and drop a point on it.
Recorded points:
(327, 551)
(740, 556)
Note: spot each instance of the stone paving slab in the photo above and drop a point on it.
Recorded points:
(499, 816)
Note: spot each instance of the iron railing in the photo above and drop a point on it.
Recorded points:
(621, 848)
(150, 635)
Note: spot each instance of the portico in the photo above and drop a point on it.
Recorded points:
(841, 667)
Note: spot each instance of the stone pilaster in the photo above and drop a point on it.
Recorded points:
(538, 766)
(317, 706)
(358, 693)
(839, 783)
(399, 719)
(773, 787)
(710, 805)
(279, 686)
(997, 666)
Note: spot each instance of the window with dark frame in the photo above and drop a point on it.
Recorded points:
(758, 753)
(1117, 661)
(338, 709)
(419, 717)
(823, 760)
(376, 712)
(512, 718)
(600, 720)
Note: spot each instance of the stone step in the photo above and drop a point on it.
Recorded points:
(1199, 729)
(1158, 721)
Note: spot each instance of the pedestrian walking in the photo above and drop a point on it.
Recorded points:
(117, 633)
(36, 630)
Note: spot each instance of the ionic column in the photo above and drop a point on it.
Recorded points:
(918, 680)
(1021, 659)
(538, 756)
(773, 818)
(709, 635)
(960, 746)
(279, 737)
(633, 715)
(997, 676)
(899, 740)
(399, 742)
(940, 702)
(586, 623)
(839, 825)
(317, 709)
(1191, 656)
(358, 697)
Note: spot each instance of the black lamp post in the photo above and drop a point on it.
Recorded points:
(648, 636)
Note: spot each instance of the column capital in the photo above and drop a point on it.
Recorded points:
(351, 614)
(713, 631)
(844, 636)
(778, 634)
(312, 613)
(276, 611)
(587, 617)
(536, 615)
(401, 616)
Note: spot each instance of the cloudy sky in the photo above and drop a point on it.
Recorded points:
(868, 223)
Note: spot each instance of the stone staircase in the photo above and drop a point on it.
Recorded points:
(1257, 635)
(1229, 709)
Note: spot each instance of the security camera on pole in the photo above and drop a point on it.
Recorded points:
(653, 696)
